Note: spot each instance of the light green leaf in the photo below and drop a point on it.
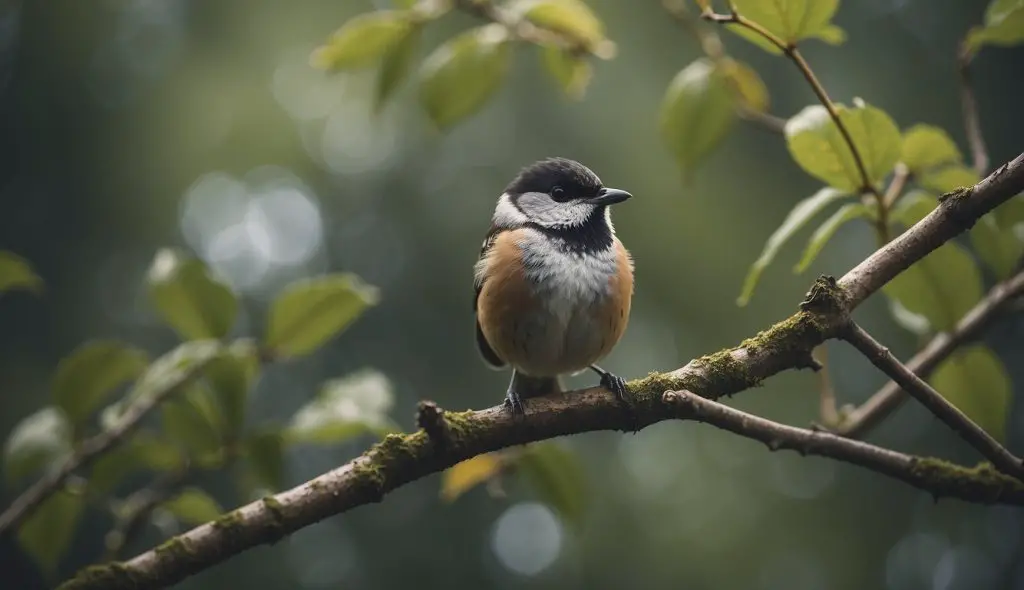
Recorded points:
(193, 422)
(753, 94)
(395, 67)
(570, 18)
(974, 380)
(231, 375)
(697, 112)
(363, 40)
(793, 20)
(459, 77)
(941, 287)
(1010, 216)
(803, 212)
(908, 320)
(344, 408)
(189, 298)
(572, 73)
(143, 452)
(945, 179)
(17, 273)
(818, 146)
(463, 476)
(927, 146)
(264, 451)
(39, 441)
(86, 378)
(1004, 25)
(827, 229)
(998, 248)
(46, 533)
(556, 476)
(193, 507)
(913, 207)
(309, 312)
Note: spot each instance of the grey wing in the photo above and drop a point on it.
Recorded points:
(490, 357)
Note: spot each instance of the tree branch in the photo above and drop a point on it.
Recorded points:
(890, 397)
(400, 459)
(969, 105)
(88, 450)
(959, 422)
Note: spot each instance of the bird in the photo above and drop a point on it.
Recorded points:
(553, 282)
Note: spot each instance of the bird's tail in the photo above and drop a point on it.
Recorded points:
(527, 386)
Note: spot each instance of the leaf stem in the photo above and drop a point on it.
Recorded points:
(972, 119)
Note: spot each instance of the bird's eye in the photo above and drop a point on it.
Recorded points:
(559, 194)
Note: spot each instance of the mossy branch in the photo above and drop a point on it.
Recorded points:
(400, 459)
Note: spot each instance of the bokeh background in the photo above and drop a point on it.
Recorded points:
(130, 125)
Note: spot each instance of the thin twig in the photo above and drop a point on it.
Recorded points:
(527, 31)
(975, 436)
(91, 448)
(900, 176)
(884, 402)
(827, 395)
(969, 105)
(138, 506)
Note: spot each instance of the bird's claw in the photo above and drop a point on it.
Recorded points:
(514, 403)
(617, 385)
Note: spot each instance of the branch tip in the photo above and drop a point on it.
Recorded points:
(430, 417)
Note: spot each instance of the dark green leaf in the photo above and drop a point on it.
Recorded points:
(697, 112)
(395, 66)
(86, 378)
(264, 451)
(192, 301)
(791, 20)
(17, 273)
(998, 248)
(555, 474)
(827, 229)
(363, 40)
(193, 507)
(143, 452)
(803, 212)
(459, 77)
(572, 72)
(975, 381)
(311, 311)
(344, 408)
(941, 287)
(46, 533)
(1004, 25)
(945, 179)
(569, 18)
(39, 441)
(231, 375)
(927, 146)
(193, 422)
(818, 146)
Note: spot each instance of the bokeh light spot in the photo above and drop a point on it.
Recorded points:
(527, 538)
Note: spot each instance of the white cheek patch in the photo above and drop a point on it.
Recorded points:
(506, 214)
(541, 209)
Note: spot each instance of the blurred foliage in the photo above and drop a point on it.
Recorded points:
(207, 426)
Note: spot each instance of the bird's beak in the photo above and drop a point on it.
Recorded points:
(609, 196)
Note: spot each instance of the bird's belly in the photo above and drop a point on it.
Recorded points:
(563, 338)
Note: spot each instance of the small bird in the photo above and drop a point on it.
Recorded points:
(553, 282)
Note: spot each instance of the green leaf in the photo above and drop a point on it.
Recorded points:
(39, 441)
(264, 451)
(363, 40)
(818, 146)
(1010, 216)
(797, 218)
(344, 408)
(908, 320)
(572, 72)
(556, 476)
(395, 66)
(86, 378)
(17, 273)
(193, 507)
(465, 475)
(193, 422)
(459, 77)
(974, 380)
(753, 94)
(309, 312)
(569, 18)
(46, 534)
(927, 146)
(827, 229)
(949, 178)
(143, 452)
(189, 298)
(999, 249)
(941, 287)
(231, 375)
(1004, 25)
(913, 207)
(793, 20)
(697, 112)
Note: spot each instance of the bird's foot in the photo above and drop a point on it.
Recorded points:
(514, 403)
(617, 385)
